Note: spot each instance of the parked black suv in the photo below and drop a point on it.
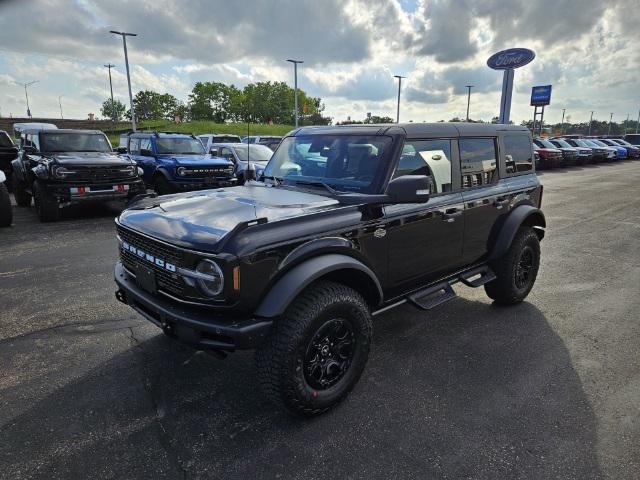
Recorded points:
(8, 153)
(347, 222)
(60, 167)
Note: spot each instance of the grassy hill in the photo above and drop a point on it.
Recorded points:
(200, 127)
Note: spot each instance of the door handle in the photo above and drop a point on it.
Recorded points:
(501, 202)
(451, 214)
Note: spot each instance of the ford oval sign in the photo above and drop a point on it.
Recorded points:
(512, 58)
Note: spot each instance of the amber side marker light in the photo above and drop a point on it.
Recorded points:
(236, 278)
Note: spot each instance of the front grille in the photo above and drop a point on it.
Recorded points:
(222, 171)
(98, 175)
(169, 281)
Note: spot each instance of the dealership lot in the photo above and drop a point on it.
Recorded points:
(545, 389)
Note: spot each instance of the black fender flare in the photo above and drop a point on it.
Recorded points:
(521, 215)
(287, 288)
(18, 169)
(162, 171)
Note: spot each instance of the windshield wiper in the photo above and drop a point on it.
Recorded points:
(329, 188)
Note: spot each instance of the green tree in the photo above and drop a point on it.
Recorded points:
(115, 111)
(213, 101)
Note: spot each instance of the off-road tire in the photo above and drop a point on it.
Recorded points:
(46, 207)
(23, 198)
(162, 186)
(6, 211)
(281, 358)
(508, 288)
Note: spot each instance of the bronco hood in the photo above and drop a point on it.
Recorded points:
(197, 160)
(90, 158)
(199, 220)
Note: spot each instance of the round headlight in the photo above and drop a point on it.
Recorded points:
(61, 172)
(211, 280)
(181, 171)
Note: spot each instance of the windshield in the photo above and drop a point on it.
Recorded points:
(599, 143)
(562, 143)
(75, 142)
(257, 153)
(179, 146)
(343, 162)
(581, 143)
(5, 140)
(545, 143)
(619, 141)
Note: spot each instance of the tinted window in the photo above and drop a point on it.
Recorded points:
(478, 161)
(518, 153)
(75, 142)
(427, 157)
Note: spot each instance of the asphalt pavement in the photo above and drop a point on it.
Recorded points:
(546, 389)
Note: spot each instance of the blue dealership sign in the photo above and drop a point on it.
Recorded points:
(541, 95)
(511, 58)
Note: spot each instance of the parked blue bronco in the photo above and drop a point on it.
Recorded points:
(174, 162)
(347, 222)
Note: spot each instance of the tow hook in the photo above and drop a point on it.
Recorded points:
(121, 296)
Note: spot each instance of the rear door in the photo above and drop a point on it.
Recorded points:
(425, 239)
(483, 196)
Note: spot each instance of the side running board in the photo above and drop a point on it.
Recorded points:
(433, 296)
(483, 273)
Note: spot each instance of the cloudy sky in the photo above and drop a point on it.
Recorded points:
(587, 49)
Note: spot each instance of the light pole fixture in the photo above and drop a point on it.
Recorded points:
(626, 124)
(113, 107)
(562, 122)
(590, 122)
(399, 77)
(610, 120)
(126, 62)
(60, 103)
(469, 87)
(295, 86)
(26, 95)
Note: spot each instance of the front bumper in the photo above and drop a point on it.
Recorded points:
(198, 327)
(70, 193)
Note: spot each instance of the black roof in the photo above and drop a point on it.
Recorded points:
(440, 129)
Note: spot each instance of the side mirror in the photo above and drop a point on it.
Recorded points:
(122, 150)
(29, 149)
(213, 151)
(409, 189)
(146, 152)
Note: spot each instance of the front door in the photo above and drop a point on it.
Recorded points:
(425, 240)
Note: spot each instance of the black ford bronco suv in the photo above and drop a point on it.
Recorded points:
(346, 222)
(60, 167)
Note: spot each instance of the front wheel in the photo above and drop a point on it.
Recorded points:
(23, 199)
(317, 350)
(516, 271)
(46, 207)
(162, 186)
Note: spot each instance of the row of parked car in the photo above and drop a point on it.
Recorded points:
(57, 167)
(551, 152)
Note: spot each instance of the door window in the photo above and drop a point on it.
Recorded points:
(518, 153)
(145, 144)
(478, 164)
(134, 146)
(427, 157)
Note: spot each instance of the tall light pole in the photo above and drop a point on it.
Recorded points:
(60, 103)
(126, 62)
(295, 86)
(399, 77)
(469, 87)
(626, 124)
(610, 120)
(590, 122)
(113, 107)
(562, 122)
(26, 95)
(638, 122)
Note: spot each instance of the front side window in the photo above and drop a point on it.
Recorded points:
(344, 162)
(179, 146)
(75, 142)
(427, 157)
(518, 153)
(478, 163)
(134, 146)
(145, 144)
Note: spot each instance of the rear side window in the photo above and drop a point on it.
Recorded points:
(518, 154)
(478, 165)
(427, 157)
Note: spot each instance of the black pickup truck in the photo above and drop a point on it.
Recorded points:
(60, 167)
(345, 223)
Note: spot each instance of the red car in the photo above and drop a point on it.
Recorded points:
(550, 156)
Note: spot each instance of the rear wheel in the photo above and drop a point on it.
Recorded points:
(46, 207)
(317, 350)
(516, 271)
(6, 212)
(23, 198)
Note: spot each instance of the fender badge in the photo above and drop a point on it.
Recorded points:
(379, 232)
